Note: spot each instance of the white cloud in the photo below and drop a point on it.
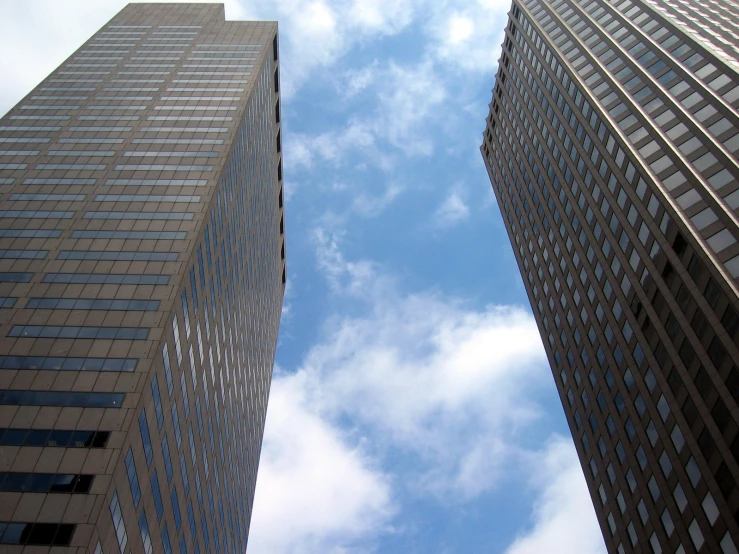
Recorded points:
(368, 205)
(468, 35)
(420, 376)
(315, 34)
(563, 520)
(407, 97)
(316, 491)
(453, 210)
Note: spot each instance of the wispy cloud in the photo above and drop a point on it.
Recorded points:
(563, 518)
(418, 375)
(452, 211)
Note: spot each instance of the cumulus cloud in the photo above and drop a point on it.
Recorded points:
(563, 518)
(468, 34)
(451, 211)
(420, 376)
(317, 490)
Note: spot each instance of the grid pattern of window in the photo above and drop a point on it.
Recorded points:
(610, 145)
(145, 169)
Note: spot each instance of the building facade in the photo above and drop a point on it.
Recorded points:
(142, 271)
(612, 146)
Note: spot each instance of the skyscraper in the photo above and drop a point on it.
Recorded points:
(611, 145)
(142, 269)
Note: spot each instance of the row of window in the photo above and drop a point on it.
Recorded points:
(75, 332)
(54, 438)
(67, 364)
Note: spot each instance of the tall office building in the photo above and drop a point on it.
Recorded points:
(611, 145)
(141, 278)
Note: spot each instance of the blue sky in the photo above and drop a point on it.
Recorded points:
(412, 408)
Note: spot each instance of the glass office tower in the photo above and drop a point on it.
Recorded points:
(611, 145)
(142, 271)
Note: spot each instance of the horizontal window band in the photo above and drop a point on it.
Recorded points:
(36, 534)
(117, 256)
(35, 214)
(216, 66)
(193, 89)
(216, 73)
(15, 277)
(158, 182)
(178, 216)
(19, 152)
(213, 81)
(81, 153)
(130, 89)
(145, 198)
(23, 254)
(137, 235)
(143, 73)
(98, 129)
(30, 233)
(23, 140)
(74, 332)
(184, 129)
(90, 141)
(46, 197)
(75, 81)
(98, 278)
(108, 117)
(80, 65)
(13, 167)
(257, 46)
(7, 180)
(158, 167)
(59, 98)
(55, 438)
(196, 108)
(118, 98)
(45, 482)
(68, 181)
(214, 59)
(67, 89)
(7, 301)
(115, 107)
(87, 167)
(39, 129)
(50, 107)
(64, 399)
(67, 364)
(173, 154)
(40, 117)
(160, 65)
(200, 98)
(189, 118)
(177, 141)
(92, 304)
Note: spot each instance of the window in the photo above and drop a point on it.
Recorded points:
(145, 536)
(118, 523)
(133, 479)
(156, 492)
(157, 402)
(146, 438)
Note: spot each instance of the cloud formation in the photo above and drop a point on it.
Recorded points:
(563, 518)
(419, 377)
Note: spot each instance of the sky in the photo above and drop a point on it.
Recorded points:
(412, 409)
